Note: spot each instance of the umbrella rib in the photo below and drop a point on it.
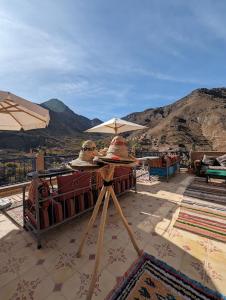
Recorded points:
(109, 126)
(10, 102)
(114, 127)
(6, 112)
(11, 115)
(10, 106)
(21, 110)
(26, 112)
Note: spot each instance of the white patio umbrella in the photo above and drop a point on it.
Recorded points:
(17, 113)
(115, 126)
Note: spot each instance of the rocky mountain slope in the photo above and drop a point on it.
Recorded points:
(195, 121)
(64, 122)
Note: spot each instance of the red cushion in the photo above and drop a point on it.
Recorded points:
(43, 216)
(43, 191)
(44, 188)
(58, 212)
(122, 171)
(73, 185)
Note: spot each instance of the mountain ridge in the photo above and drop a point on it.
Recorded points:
(195, 120)
(64, 123)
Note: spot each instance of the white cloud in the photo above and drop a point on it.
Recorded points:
(29, 49)
(74, 50)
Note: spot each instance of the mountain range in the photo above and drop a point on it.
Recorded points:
(65, 122)
(65, 128)
(195, 121)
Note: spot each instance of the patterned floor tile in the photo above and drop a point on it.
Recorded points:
(192, 244)
(65, 263)
(34, 284)
(55, 272)
(194, 268)
(215, 274)
(80, 282)
(217, 251)
(118, 259)
(56, 296)
(165, 251)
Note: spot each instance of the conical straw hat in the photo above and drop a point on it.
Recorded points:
(118, 151)
(103, 152)
(86, 155)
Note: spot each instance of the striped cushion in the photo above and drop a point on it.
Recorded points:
(208, 160)
(222, 160)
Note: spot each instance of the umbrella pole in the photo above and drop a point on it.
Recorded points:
(100, 241)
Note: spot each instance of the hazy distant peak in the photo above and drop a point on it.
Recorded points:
(55, 105)
(96, 121)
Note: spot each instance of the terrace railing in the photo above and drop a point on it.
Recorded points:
(184, 156)
(140, 154)
(14, 170)
(55, 161)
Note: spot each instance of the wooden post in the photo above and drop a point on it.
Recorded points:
(91, 221)
(40, 162)
(99, 244)
(107, 191)
(119, 210)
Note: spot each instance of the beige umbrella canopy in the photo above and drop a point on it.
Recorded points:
(17, 113)
(116, 126)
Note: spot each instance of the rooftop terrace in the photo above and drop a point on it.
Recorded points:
(54, 272)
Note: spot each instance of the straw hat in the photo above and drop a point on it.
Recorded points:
(103, 152)
(86, 155)
(118, 151)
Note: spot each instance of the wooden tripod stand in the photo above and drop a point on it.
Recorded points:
(106, 192)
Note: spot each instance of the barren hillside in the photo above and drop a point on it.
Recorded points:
(197, 120)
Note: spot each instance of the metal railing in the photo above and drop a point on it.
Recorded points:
(184, 156)
(15, 170)
(140, 154)
(55, 161)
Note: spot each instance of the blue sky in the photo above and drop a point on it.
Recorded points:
(109, 58)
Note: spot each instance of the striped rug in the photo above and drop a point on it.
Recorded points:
(150, 278)
(207, 222)
(214, 192)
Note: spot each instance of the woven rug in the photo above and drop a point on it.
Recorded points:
(150, 278)
(203, 221)
(214, 192)
(144, 177)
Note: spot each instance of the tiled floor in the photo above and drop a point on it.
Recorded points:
(54, 272)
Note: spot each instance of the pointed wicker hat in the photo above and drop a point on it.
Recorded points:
(86, 155)
(118, 151)
(103, 152)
